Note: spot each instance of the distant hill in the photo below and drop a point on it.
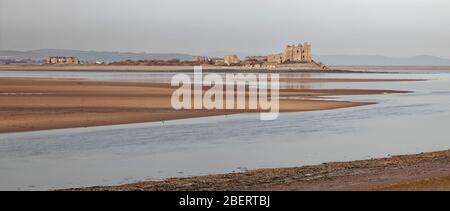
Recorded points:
(363, 60)
(90, 56)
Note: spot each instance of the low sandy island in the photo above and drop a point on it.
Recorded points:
(28, 104)
(212, 68)
(421, 172)
(155, 68)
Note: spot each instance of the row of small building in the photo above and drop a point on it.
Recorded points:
(291, 54)
(68, 60)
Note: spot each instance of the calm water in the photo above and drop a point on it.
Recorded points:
(398, 124)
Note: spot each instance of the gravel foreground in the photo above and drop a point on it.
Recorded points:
(425, 171)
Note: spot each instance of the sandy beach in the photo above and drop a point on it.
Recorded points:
(28, 104)
(189, 96)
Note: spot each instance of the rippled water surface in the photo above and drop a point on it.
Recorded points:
(398, 124)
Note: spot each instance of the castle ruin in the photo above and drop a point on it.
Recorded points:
(62, 60)
(231, 59)
(200, 59)
(293, 57)
(292, 54)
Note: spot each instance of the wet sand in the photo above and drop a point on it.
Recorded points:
(421, 172)
(28, 104)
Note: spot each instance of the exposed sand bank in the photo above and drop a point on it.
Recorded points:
(427, 171)
(28, 104)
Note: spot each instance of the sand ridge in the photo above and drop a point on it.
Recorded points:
(28, 104)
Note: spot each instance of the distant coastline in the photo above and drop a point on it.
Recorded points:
(376, 67)
(39, 56)
(144, 68)
(206, 68)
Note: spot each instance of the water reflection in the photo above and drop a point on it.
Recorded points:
(399, 124)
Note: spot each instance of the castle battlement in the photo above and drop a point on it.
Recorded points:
(292, 54)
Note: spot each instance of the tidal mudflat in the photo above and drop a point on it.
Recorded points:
(398, 117)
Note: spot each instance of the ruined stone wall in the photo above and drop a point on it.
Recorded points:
(275, 58)
(299, 53)
(256, 58)
(292, 54)
(62, 60)
(231, 59)
(200, 59)
(306, 55)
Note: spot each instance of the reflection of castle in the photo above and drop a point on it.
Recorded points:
(292, 54)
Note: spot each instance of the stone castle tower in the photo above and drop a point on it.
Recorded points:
(293, 54)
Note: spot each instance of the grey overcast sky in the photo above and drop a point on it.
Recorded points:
(380, 27)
